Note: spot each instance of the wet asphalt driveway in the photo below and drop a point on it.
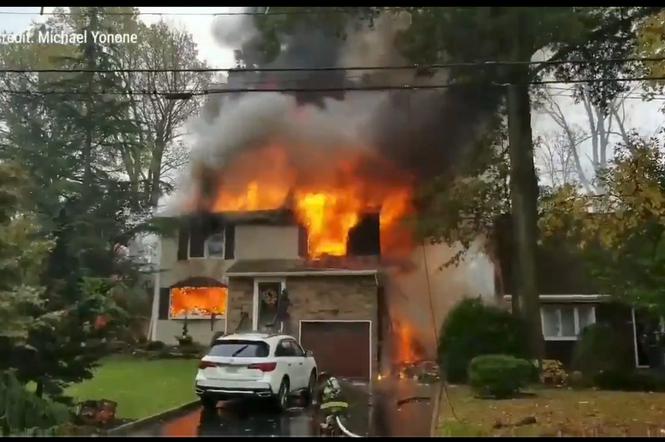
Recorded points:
(369, 415)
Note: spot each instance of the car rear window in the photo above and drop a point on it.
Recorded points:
(239, 349)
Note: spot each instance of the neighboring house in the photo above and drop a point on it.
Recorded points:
(236, 264)
(569, 302)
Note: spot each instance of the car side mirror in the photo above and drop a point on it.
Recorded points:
(309, 353)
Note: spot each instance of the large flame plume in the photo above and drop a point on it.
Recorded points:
(329, 193)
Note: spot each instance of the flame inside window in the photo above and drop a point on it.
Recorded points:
(198, 301)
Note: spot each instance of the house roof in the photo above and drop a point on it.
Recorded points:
(277, 216)
(300, 267)
(559, 269)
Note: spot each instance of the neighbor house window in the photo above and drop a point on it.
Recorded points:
(198, 302)
(566, 322)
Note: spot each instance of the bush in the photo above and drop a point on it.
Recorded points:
(577, 380)
(472, 329)
(215, 336)
(552, 373)
(155, 345)
(22, 413)
(629, 381)
(601, 348)
(499, 376)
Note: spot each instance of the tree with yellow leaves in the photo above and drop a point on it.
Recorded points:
(622, 230)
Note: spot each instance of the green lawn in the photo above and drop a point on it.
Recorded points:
(141, 387)
(556, 412)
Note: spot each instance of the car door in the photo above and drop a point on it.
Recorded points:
(307, 363)
(299, 363)
(284, 355)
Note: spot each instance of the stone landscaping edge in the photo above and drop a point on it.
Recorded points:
(123, 429)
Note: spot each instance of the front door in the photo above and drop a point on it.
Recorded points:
(265, 299)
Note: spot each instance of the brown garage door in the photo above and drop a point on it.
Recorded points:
(340, 348)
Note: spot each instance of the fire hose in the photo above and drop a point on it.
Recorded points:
(344, 429)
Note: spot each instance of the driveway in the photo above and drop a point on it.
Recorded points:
(376, 414)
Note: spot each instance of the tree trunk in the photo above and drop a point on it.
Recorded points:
(155, 172)
(39, 391)
(524, 195)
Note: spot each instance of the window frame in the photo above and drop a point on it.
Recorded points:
(576, 320)
(297, 348)
(277, 347)
(206, 255)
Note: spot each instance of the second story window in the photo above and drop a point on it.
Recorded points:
(215, 246)
(206, 240)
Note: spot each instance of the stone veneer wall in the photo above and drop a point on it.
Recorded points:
(315, 297)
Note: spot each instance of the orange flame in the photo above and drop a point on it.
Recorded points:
(405, 350)
(326, 189)
(198, 300)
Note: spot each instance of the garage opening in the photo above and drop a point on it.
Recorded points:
(342, 349)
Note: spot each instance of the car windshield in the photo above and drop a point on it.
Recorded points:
(239, 349)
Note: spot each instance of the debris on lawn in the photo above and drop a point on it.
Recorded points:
(97, 412)
(528, 420)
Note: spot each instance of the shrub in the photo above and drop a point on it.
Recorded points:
(552, 373)
(629, 381)
(23, 413)
(155, 345)
(215, 336)
(601, 348)
(185, 340)
(499, 376)
(577, 380)
(472, 329)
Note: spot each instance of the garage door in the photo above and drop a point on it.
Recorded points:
(340, 348)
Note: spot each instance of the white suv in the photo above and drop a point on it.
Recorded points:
(255, 365)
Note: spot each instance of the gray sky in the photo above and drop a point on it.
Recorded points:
(645, 117)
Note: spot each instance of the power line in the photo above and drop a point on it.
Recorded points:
(204, 14)
(326, 89)
(424, 67)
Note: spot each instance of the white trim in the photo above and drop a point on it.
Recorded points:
(154, 315)
(371, 332)
(255, 299)
(637, 357)
(303, 273)
(563, 298)
(226, 318)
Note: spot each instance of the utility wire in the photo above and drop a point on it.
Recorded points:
(328, 89)
(425, 67)
(213, 14)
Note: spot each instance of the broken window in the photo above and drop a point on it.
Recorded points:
(198, 302)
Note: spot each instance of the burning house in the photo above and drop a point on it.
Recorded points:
(308, 197)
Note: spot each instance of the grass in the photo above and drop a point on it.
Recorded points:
(141, 387)
(557, 412)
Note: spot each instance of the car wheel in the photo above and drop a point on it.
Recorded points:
(209, 403)
(310, 393)
(282, 398)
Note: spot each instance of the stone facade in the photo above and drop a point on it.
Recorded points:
(241, 298)
(325, 297)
